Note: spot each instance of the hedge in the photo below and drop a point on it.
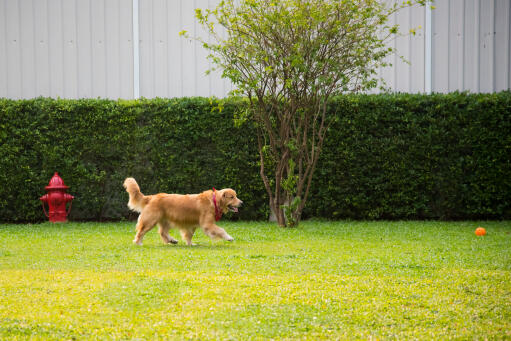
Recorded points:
(401, 156)
(395, 156)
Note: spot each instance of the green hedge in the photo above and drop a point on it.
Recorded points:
(386, 157)
(442, 156)
(181, 146)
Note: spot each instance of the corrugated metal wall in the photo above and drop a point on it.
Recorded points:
(66, 48)
(471, 48)
(170, 65)
(83, 48)
(408, 67)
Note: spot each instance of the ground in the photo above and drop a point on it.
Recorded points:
(323, 280)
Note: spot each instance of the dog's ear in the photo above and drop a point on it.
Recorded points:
(222, 200)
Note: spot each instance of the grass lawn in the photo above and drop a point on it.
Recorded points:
(324, 280)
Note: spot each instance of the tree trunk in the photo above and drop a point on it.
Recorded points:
(281, 219)
(277, 215)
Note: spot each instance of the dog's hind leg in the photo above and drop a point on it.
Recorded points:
(163, 229)
(146, 222)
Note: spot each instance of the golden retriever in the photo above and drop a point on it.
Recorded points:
(183, 212)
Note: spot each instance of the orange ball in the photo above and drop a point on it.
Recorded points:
(480, 231)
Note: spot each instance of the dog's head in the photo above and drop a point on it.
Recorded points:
(228, 200)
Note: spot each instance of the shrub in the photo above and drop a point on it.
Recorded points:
(181, 146)
(401, 156)
(386, 156)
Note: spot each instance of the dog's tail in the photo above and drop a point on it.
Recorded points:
(137, 199)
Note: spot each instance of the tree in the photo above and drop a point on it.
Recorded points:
(288, 57)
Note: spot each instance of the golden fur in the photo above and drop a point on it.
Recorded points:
(183, 212)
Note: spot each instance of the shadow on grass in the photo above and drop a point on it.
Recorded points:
(201, 246)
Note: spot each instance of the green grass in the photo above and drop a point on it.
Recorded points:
(324, 280)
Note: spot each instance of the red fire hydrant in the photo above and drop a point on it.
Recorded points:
(57, 198)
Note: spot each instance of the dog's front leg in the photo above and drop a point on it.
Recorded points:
(187, 236)
(214, 231)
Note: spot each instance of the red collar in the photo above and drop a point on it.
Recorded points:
(218, 211)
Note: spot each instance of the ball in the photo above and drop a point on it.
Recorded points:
(480, 231)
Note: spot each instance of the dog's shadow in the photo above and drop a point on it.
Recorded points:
(201, 246)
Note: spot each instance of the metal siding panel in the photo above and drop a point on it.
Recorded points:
(227, 83)
(428, 49)
(189, 69)
(402, 68)
(160, 43)
(502, 38)
(3, 50)
(41, 37)
(112, 47)
(471, 46)
(136, 48)
(215, 81)
(13, 35)
(70, 49)
(99, 79)
(146, 49)
(27, 41)
(202, 63)
(417, 49)
(13, 52)
(388, 73)
(126, 49)
(76, 49)
(218, 87)
(56, 48)
(486, 36)
(84, 43)
(440, 66)
(456, 10)
(175, 49)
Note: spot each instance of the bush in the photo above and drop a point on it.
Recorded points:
(181, 146)
(401, 156)
(385, 157)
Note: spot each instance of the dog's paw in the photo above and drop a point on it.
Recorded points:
(139, 243)
(229, 238)
(173, 241)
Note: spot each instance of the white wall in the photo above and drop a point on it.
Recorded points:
(471, 45)
(83, 49)
(66, 48)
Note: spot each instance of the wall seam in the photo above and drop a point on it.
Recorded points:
(77, 52)
(195, 80)
(167, 41)
(105, 53)
(449, 26)
(49, 48)
(428, 67)
(136, 50)
(463, 38)
(154, 46)
(63, 48)
(91, 51)
(478, 46)
(494, 52)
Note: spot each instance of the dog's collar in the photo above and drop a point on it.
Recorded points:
(218, 211)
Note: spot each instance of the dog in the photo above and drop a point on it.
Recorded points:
(183, 212)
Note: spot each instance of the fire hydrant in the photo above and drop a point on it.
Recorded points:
(57, 198)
